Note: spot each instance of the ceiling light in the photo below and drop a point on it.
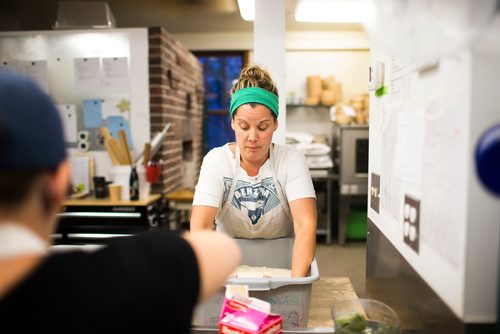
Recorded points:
(338, 11)
(247, 9)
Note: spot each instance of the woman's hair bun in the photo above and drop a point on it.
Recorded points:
(254, 76)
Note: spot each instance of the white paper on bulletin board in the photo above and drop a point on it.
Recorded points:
(87, 74)
(38, 71)
(12, 65)
(409, 146)
(445, 151)
(389, 188)
(115, 76)
(68, 117)
(81, 173)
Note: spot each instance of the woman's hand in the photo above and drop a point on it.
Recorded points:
(304, 216)
(202, 218)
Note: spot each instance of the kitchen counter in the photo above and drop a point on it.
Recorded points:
(325, 292)
(92, 201)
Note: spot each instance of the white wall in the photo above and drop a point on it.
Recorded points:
(345, 55)
(350, 67)
(269, 51)
(305, 40)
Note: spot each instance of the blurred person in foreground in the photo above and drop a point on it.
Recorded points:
(145, 283)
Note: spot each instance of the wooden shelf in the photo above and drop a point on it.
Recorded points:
(319, 106)
(92, 201)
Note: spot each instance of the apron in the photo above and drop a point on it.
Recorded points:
(277, 223)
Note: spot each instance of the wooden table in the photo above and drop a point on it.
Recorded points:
(325, 293)
(92, 201)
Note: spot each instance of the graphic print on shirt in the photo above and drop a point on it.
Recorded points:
(253, 199)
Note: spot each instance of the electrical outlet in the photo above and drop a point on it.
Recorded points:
(411, 222)
(375, 192)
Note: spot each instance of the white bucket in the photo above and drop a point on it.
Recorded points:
(121, 175)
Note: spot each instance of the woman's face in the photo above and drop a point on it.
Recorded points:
(254, 128)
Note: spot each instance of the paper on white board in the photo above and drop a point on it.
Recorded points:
(398, 77)
(12, 65)
(409, 145)
(111, 108)
(443, 183)
(87, 74)
(115, 74)
(39, 72)
(389, 188)
(80, 173)
(69, 120)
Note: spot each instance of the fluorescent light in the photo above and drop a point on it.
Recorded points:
(247, 9)
(340, 11)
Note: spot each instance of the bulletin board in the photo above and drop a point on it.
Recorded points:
(424, 193)
(96, 77)
(434, 79)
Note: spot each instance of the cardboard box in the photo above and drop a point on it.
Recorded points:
(241, 314)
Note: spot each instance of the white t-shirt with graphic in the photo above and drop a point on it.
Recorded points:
(255, 196)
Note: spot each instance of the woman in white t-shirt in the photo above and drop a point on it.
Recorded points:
(253, 188)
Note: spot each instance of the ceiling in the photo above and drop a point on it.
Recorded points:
(176, 16)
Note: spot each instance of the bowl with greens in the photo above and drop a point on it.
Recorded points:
(365, 316)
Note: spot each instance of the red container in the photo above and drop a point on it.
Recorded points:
(152, 173)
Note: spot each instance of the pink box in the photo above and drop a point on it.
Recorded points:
(241, 314)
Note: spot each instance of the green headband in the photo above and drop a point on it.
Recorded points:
(255, 95)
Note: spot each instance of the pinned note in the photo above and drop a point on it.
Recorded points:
(112, 108)
(12, 65)
(92, 113)
(39, 72)
(115, 74)
(87, 74)
(117, 123)
(69, 121)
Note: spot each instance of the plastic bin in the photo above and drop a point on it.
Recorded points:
(289, 297)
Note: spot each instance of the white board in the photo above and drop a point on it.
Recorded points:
(432, 208)
(70, 81)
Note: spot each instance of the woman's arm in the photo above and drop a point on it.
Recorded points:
(202, 217)
(304, 222)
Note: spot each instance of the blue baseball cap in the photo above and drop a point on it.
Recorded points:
(31, 132)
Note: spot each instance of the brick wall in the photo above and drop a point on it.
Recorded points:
(176, 96)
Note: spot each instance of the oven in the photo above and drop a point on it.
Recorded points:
(352, 158)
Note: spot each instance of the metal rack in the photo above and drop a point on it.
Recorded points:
(329, 178)
(316, 120)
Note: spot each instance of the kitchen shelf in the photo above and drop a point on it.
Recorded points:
(319, 106)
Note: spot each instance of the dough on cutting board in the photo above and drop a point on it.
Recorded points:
(246, 271)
